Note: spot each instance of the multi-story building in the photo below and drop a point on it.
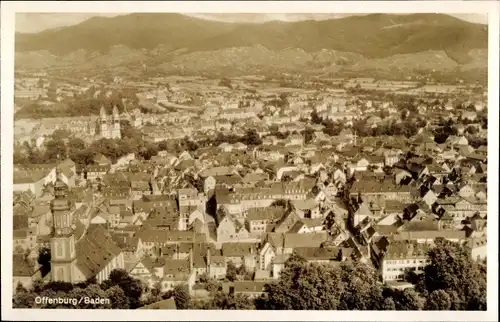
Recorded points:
(395, 259)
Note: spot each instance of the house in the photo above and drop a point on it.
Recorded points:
(294, 240)
(217, 266)
(96, 256)
(33, 181)
(429, 197)
(101, 160)
(224, 180)
(379, 190)
(457, 140)
(270, 140)
(347, 135)
(429, 236)
(259, 219)
(469, 116)
(271, 247)
(466, 191)
(24, 271)
(239, 146)
(97, 171)
(177, 272)
(337, 235)
(360, 164)
(306, 208)
(230, 229)
(396, 258)
(331, 190)
(479, 249)
(294, 139)
(391, 157)
(402, 175)
(358, 212)
(168, 304)
(251, 289)
(190, 197)
(339, 177)
(241, 254)
(40, 220)
(323, 254)
(23, 239)
(151, 241)
(144, 270)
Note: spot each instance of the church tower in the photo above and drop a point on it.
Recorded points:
(116, 132)
(103, 119)
(62, 242)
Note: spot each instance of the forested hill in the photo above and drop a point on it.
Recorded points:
(176, 41)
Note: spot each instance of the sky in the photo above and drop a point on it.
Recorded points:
(37, 22)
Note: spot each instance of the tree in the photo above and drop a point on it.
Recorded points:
(226, 82)
(223, 301)
(128, 131)
(311, 286)
(55, 150)
(362, 290)
(438, 300)
(213, 286)
(471, 130)
(408, 300)
(251, 138)
(117, 297)
(315, 117)
(20, 288)
(388, 304)
(285, 204)
(24, 300)
(181, 297)
(44, 257)
(131, 287)
(231, 271)
(61, 134)
(93, 291)
(452, 270)
(75, 145)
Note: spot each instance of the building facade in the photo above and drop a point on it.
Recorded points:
(109, 126)
(62, 242)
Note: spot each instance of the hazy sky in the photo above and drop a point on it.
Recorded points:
(36, 22)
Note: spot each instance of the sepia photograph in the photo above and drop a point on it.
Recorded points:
(209, 161)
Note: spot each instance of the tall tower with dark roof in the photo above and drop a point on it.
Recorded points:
(62, 242)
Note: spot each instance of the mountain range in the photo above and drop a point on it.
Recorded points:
(178, 43)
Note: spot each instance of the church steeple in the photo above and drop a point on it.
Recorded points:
(62, 242)
(103, 113)
(116, 115)
(60, 207)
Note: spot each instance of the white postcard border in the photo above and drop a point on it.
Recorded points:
(8, 11)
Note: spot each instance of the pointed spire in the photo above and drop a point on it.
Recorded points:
(58, 173)
(115, 111)
(60, 188)
(103, 112)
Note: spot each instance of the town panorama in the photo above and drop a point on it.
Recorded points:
(194, 164)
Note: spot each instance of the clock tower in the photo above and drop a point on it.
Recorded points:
(62, 242)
